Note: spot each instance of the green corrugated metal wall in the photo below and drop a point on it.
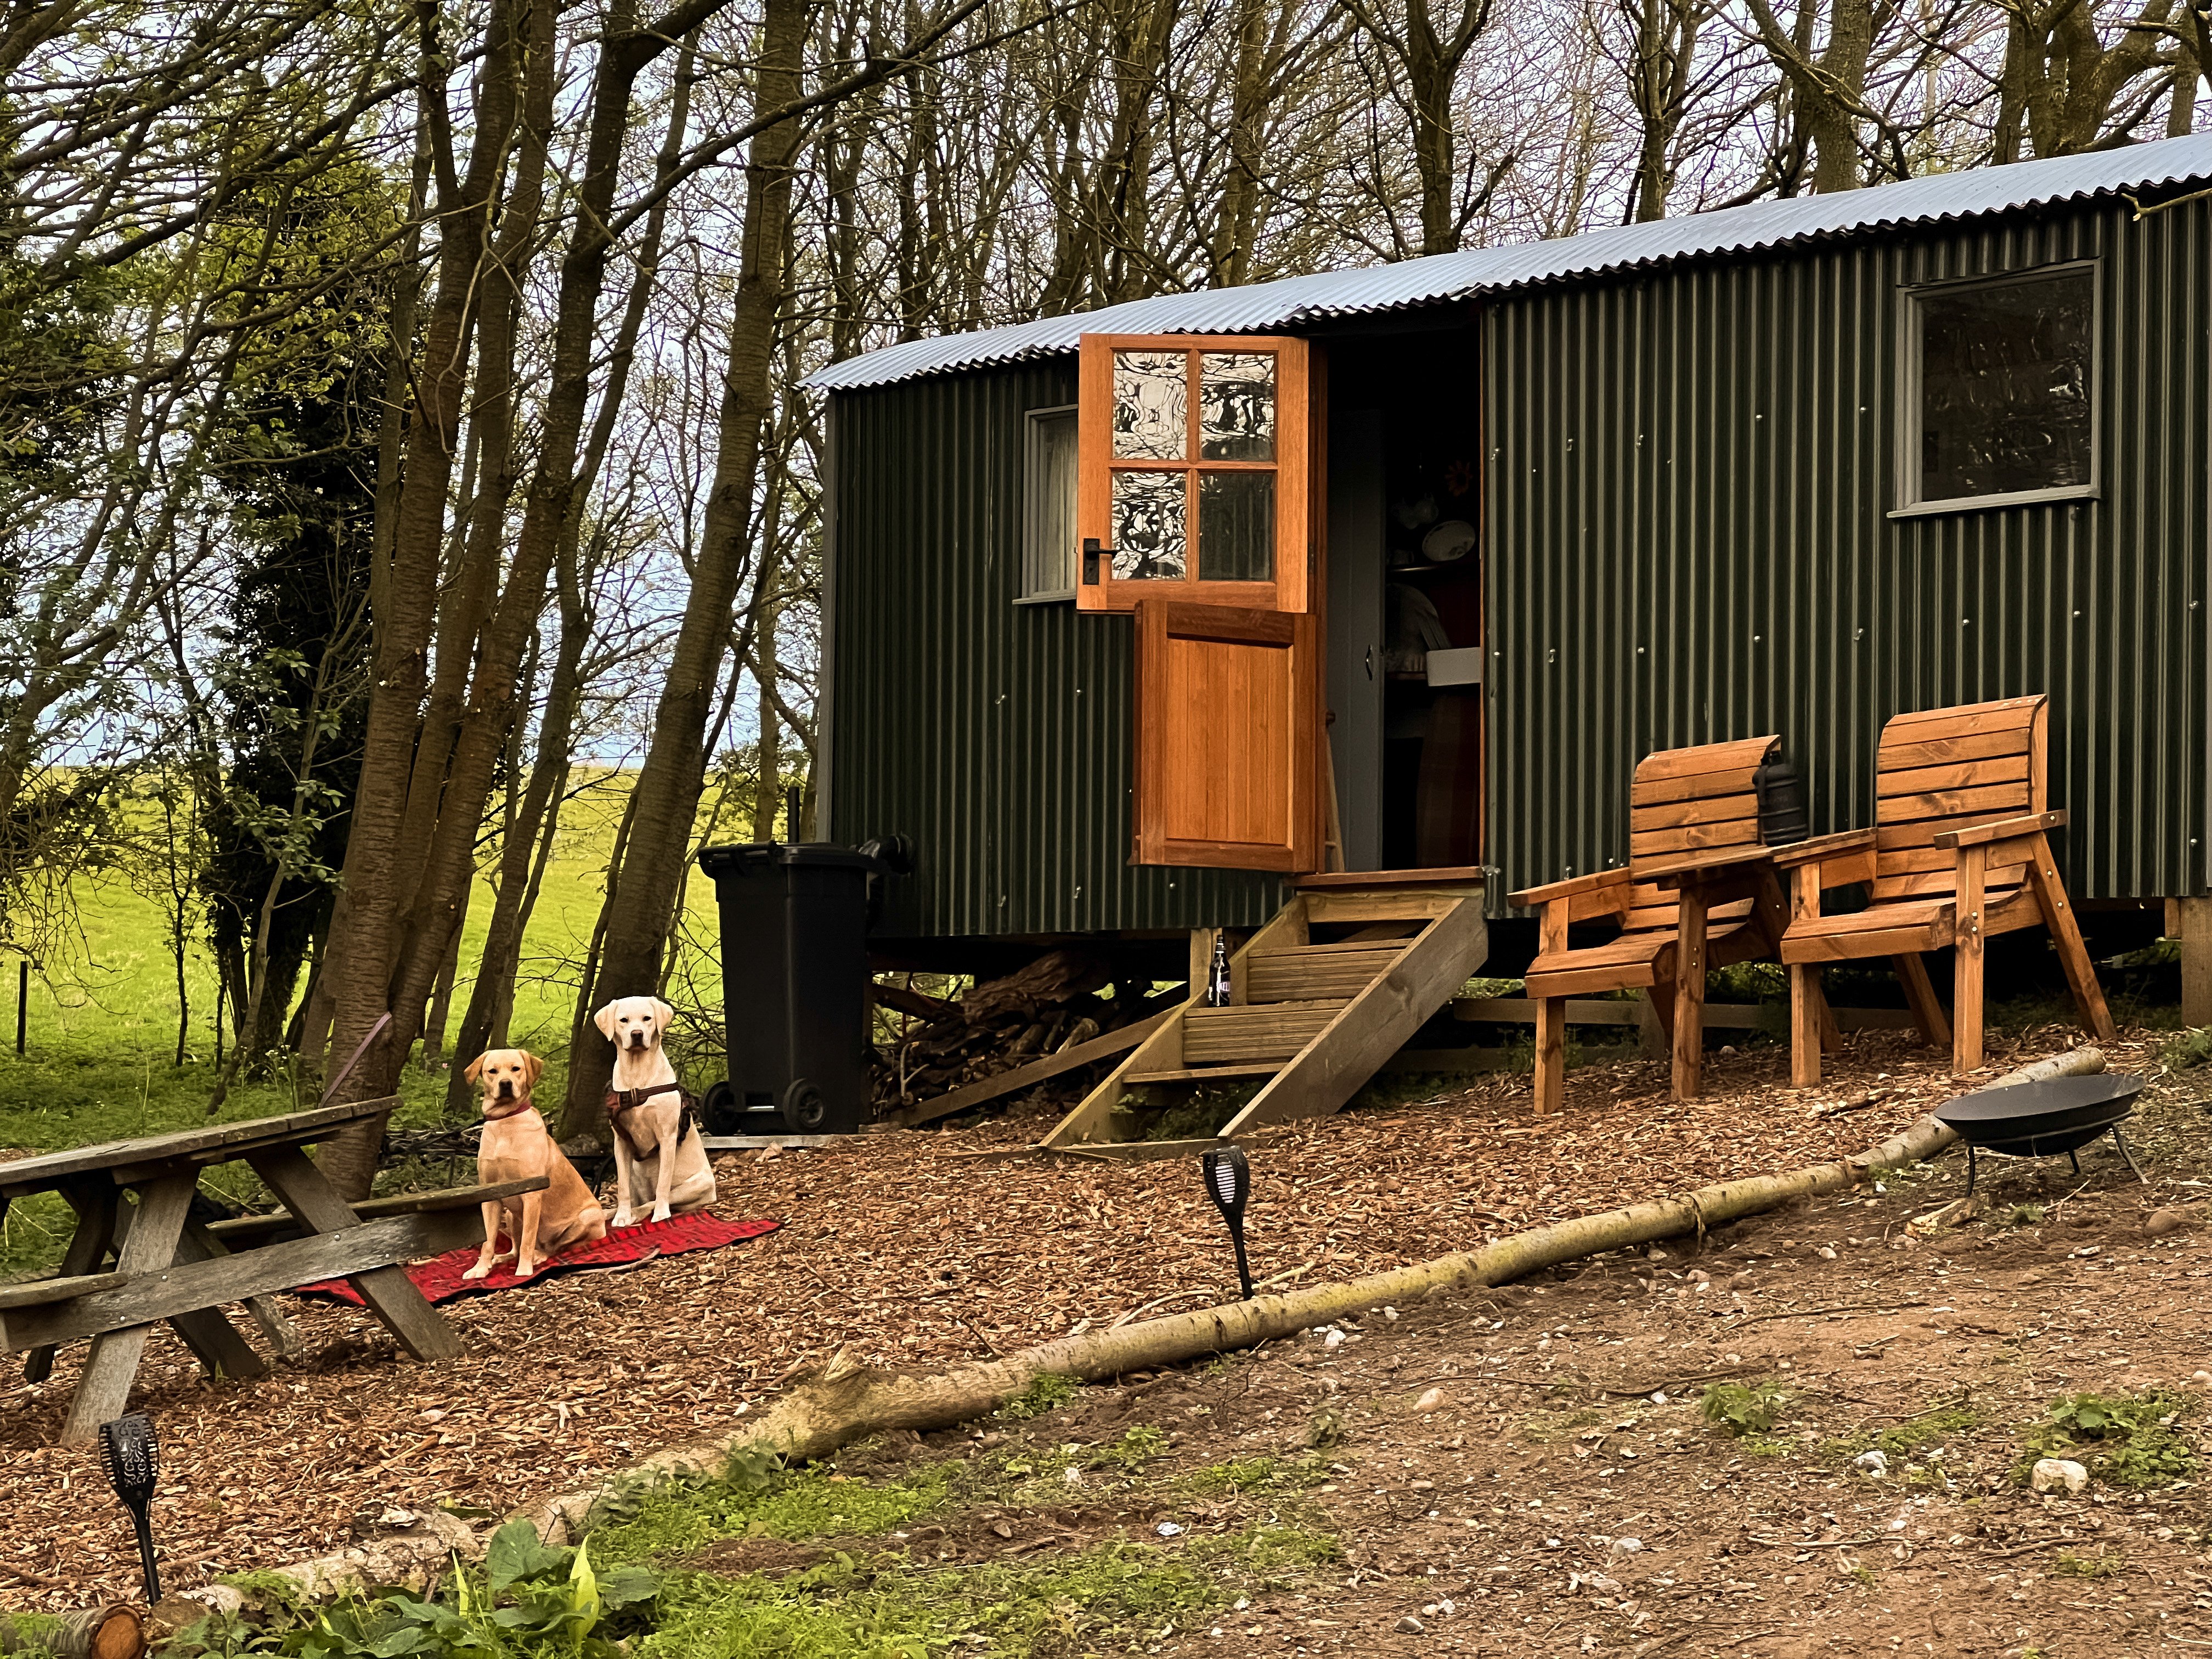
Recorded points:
(996, 734)
(1689, 475)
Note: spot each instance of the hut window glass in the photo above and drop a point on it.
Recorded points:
(1194, 469)
(2002, 391)
(1048, 497)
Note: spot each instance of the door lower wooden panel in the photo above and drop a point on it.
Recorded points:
(1228, 732)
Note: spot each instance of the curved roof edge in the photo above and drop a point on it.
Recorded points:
(1291, 300)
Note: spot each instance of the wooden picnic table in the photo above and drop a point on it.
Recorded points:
(169, 1266)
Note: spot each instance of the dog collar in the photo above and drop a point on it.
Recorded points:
(514, 1107)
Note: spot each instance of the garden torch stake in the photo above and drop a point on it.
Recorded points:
(132, 1456)
(1228, 1183)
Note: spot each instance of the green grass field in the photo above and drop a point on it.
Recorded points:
(101, 1032)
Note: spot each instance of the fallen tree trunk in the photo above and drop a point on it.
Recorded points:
(105, 1632)
(845, 1402)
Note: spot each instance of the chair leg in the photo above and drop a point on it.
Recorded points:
(1690, 995)
(1966, 962)
(1551, 1054)
(1806, 1006)
(2073, 953)
(1920, 996)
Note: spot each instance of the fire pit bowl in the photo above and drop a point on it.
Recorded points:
(2041, 1120)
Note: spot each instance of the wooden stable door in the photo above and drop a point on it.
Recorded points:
(1228, 730)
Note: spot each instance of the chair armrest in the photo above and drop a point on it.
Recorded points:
(1823, 847)
(1976, 835)
(1676, 868)
(1573, 887)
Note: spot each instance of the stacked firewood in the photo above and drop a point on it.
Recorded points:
(1053, 1003)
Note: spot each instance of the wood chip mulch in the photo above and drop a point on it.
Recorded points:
(914, 1251)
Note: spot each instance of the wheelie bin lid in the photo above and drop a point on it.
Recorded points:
(755, 858)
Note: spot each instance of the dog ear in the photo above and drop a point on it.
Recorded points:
(532, 1068)
(662, 1014)
(474, 1069)
(605, 1019)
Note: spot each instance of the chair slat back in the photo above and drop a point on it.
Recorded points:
(1949, 769)
(1690, 800)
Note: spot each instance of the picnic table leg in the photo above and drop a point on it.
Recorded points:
(201, 1245)
(389, 1293)
(214, 1341)
(96, 1204)
(149, 1246)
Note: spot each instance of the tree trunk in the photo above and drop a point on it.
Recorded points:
(767, 797)
(664, 799)
(406, 917)
(366, 930)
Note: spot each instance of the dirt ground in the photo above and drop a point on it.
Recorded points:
(1492, 1522)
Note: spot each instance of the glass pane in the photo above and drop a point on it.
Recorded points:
(1235, 526)
(1050, 557)
(2004, 388)
(1236, 406)
(1151, 408)
(1150, 541)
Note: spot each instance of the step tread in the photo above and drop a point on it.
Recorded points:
(1207, 1073)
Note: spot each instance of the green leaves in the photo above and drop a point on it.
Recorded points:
(531, 1600)
(516, 1553)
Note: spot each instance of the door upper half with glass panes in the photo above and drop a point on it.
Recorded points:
(1195, 470)
(1195, 487)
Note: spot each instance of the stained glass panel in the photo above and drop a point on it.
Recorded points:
(1150, 405)
(1150, 543)
(1236, 406)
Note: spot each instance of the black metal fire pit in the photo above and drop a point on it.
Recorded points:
(2042, 1120)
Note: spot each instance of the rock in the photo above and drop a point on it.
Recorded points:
(397, 1518)
(1333, 1338)
(1698, 1276)
(1167, 1529)
(1627, 1546)
(1874, 1463)
(1655, 1254)
(2159, 1223)
(1410, 1625)
(1430, 1401)
(220, 1598)
(1727, 1048)
(1827, 1253)
(2049, 1474)
(2201, 1379)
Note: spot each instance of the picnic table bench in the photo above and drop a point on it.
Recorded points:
(168, 1265)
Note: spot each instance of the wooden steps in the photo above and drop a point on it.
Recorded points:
(1315, 1017)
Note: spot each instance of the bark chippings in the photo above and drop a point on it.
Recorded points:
(842, 1403)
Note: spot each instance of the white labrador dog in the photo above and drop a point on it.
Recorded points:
(659, 1157)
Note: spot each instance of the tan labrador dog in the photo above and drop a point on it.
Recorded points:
(659, 1157)
(516, 1146)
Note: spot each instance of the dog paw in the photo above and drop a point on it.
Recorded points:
(529, 1272)
(623, 1218)
(482, 1270)
(661, 1212)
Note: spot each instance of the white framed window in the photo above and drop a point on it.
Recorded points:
(1048, 506)
(1999, 383)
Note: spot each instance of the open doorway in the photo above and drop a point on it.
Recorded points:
(1405, 633)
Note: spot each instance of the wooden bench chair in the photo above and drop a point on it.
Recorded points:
(1698, 892)
(1960, 851)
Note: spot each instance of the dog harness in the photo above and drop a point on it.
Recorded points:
(621, 1102)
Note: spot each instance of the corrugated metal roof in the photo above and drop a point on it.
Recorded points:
(1476, 271)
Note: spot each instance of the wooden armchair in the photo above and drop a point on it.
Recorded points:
(1960, 851)
(1698, 891)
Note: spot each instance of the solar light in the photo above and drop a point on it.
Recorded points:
(1228, 1183)
(128, 1448)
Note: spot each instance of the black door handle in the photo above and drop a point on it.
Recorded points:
(1091, 554)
